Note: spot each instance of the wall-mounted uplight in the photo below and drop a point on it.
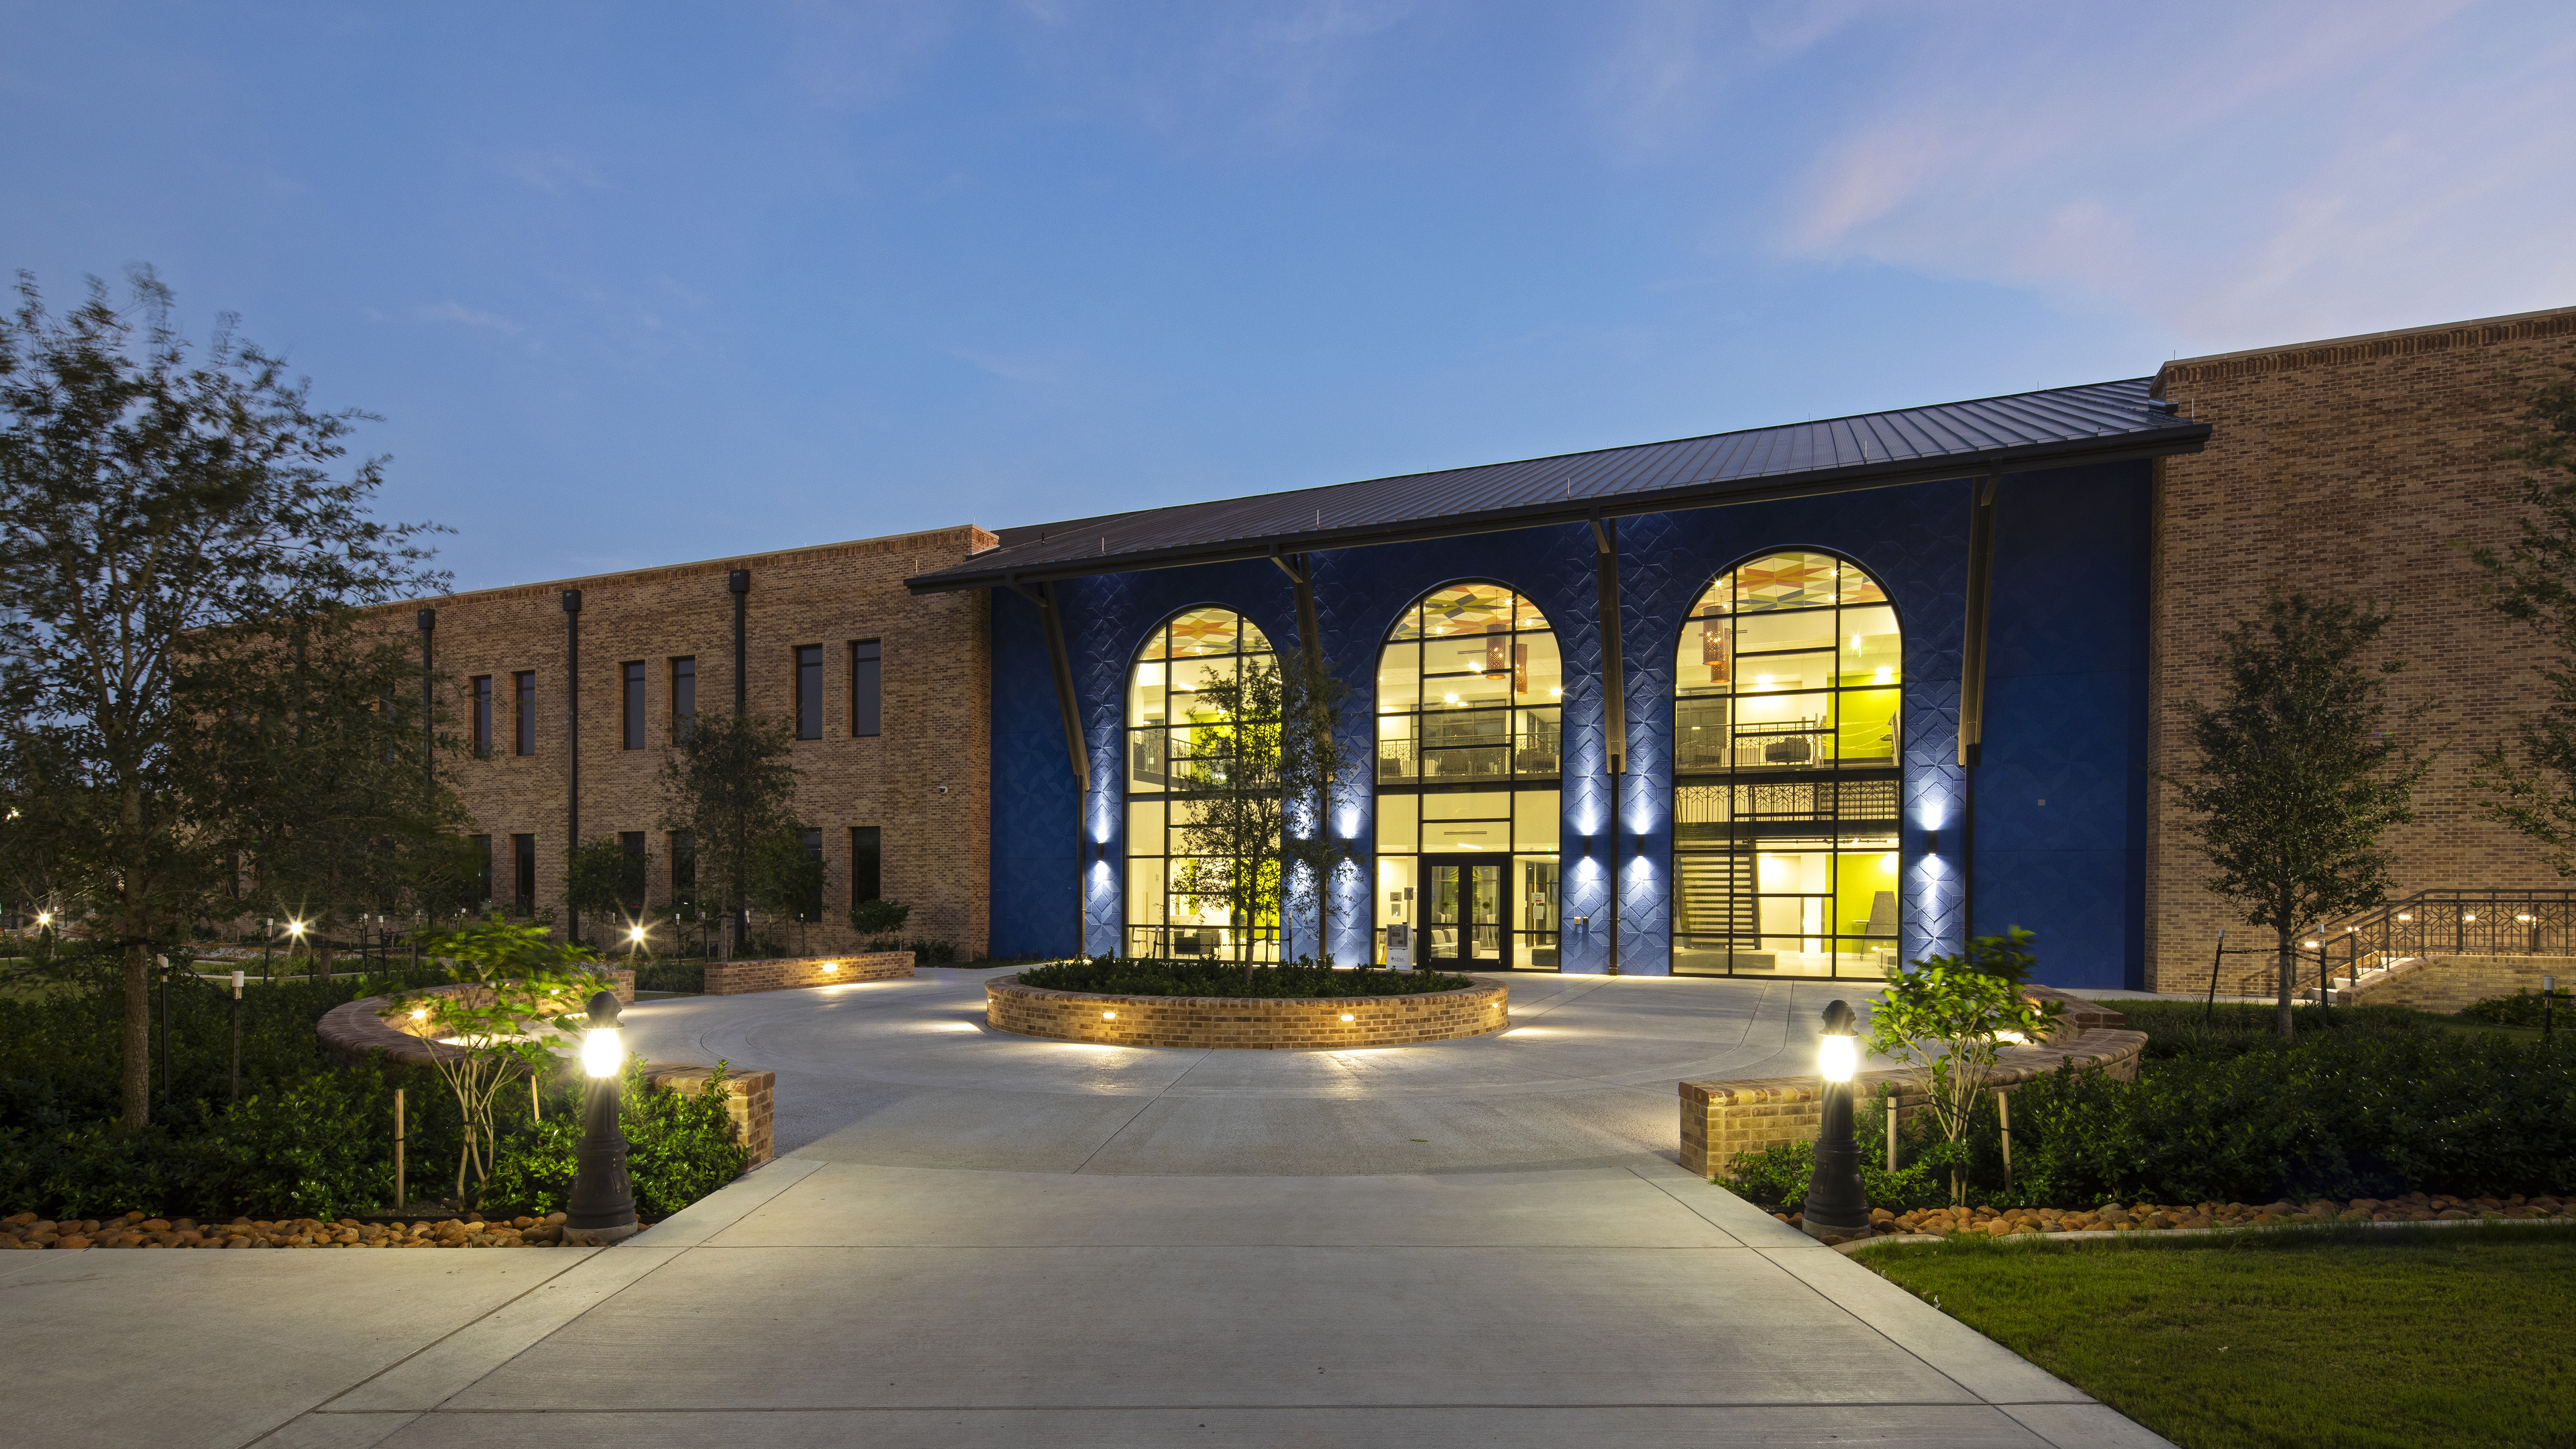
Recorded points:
(1109, 1016)
(830, 967)
(1346, 1016)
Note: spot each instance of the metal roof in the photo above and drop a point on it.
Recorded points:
(2060, 427)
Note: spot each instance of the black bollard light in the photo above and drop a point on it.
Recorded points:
(1836, 1202)
(2548, 1001)
(602, 1209)
(237, 988)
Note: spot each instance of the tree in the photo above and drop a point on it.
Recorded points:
(787, 878)
(519, 988)
(170, 526)
(727, 782)
(359, 831)
(603, 878)
(2297, 774)
(1313, 755)
(1948, 1019)
(2532, 784)
(1232, 821)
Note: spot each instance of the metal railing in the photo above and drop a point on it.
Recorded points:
(2350, 952)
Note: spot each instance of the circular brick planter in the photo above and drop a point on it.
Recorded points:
(1252, 1023)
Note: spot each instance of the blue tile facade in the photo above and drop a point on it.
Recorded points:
(2064, 706)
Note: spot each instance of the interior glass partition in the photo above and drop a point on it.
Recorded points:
(1470, 735)
(1788, 705)
(1180, 746)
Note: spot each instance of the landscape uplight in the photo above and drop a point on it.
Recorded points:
(1836, 1203)
(635, 935)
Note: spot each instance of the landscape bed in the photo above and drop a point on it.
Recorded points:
(1256, 1008)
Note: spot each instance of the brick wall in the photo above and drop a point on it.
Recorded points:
(2355, 466)
(923, 782)
(734, 978)
(2448, 983)
(1252, 1023)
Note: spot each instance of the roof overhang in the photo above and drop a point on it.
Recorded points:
(999, 569)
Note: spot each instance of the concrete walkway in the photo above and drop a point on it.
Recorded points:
(976, 1240)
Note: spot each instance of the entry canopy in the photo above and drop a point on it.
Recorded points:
(2059, 428)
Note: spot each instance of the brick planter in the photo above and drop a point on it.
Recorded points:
(733, 978)
(1251, 1023)
(357, 1029)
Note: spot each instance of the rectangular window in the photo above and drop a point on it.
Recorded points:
(809, 691)
(684, 873)
(684, 697)
(482, 716)
(634, 701)
(482, 867)
(867, 686)
(523, 852)
(813, 908)
(524, 687)
(867, 863)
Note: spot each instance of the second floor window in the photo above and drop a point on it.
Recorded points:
(867, 687)
(483, 720)
(634, 703)
(684, 696)
(524, 685)
(809, 691)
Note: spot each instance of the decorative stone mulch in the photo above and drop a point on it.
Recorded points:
(2155, 1217)
(134, 1230)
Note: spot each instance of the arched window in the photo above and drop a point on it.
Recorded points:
(1469, 736)
(1788, 691)
(1181, 736)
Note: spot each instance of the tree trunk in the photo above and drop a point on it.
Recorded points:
(138, 1029)
(2289, 978)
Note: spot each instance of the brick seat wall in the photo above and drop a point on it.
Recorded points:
(734, 978)
(1246, 1023)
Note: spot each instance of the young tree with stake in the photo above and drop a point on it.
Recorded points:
(2296, 774)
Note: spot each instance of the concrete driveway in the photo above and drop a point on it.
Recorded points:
(977, 1240)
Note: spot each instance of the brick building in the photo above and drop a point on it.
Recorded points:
(888, 690)
(2363, 465)
(1797, 700)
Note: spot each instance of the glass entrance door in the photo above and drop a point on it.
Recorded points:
(1463, 913)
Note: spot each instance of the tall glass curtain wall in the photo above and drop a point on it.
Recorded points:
(1470, 740)
(1180, 747)
(1789, 684)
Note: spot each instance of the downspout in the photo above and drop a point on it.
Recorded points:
(427, 619)
(738, 582)
(572, 738)
(1614, 705)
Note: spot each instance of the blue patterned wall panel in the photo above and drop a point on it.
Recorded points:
(2066, 723)
(1913, 539)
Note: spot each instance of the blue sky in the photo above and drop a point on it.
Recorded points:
(633, 285)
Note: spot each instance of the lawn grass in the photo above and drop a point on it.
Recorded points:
(2318, 1338)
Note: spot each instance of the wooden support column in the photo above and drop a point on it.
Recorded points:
(1614, 707)
(1310, 630)
(1972, 687)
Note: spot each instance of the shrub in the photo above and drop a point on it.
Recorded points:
(1123, 977)
(690, 976)
(2384, 1103)
(2523, 1008)
(310, 1136)
(680, 1146)
(1777, 1176)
